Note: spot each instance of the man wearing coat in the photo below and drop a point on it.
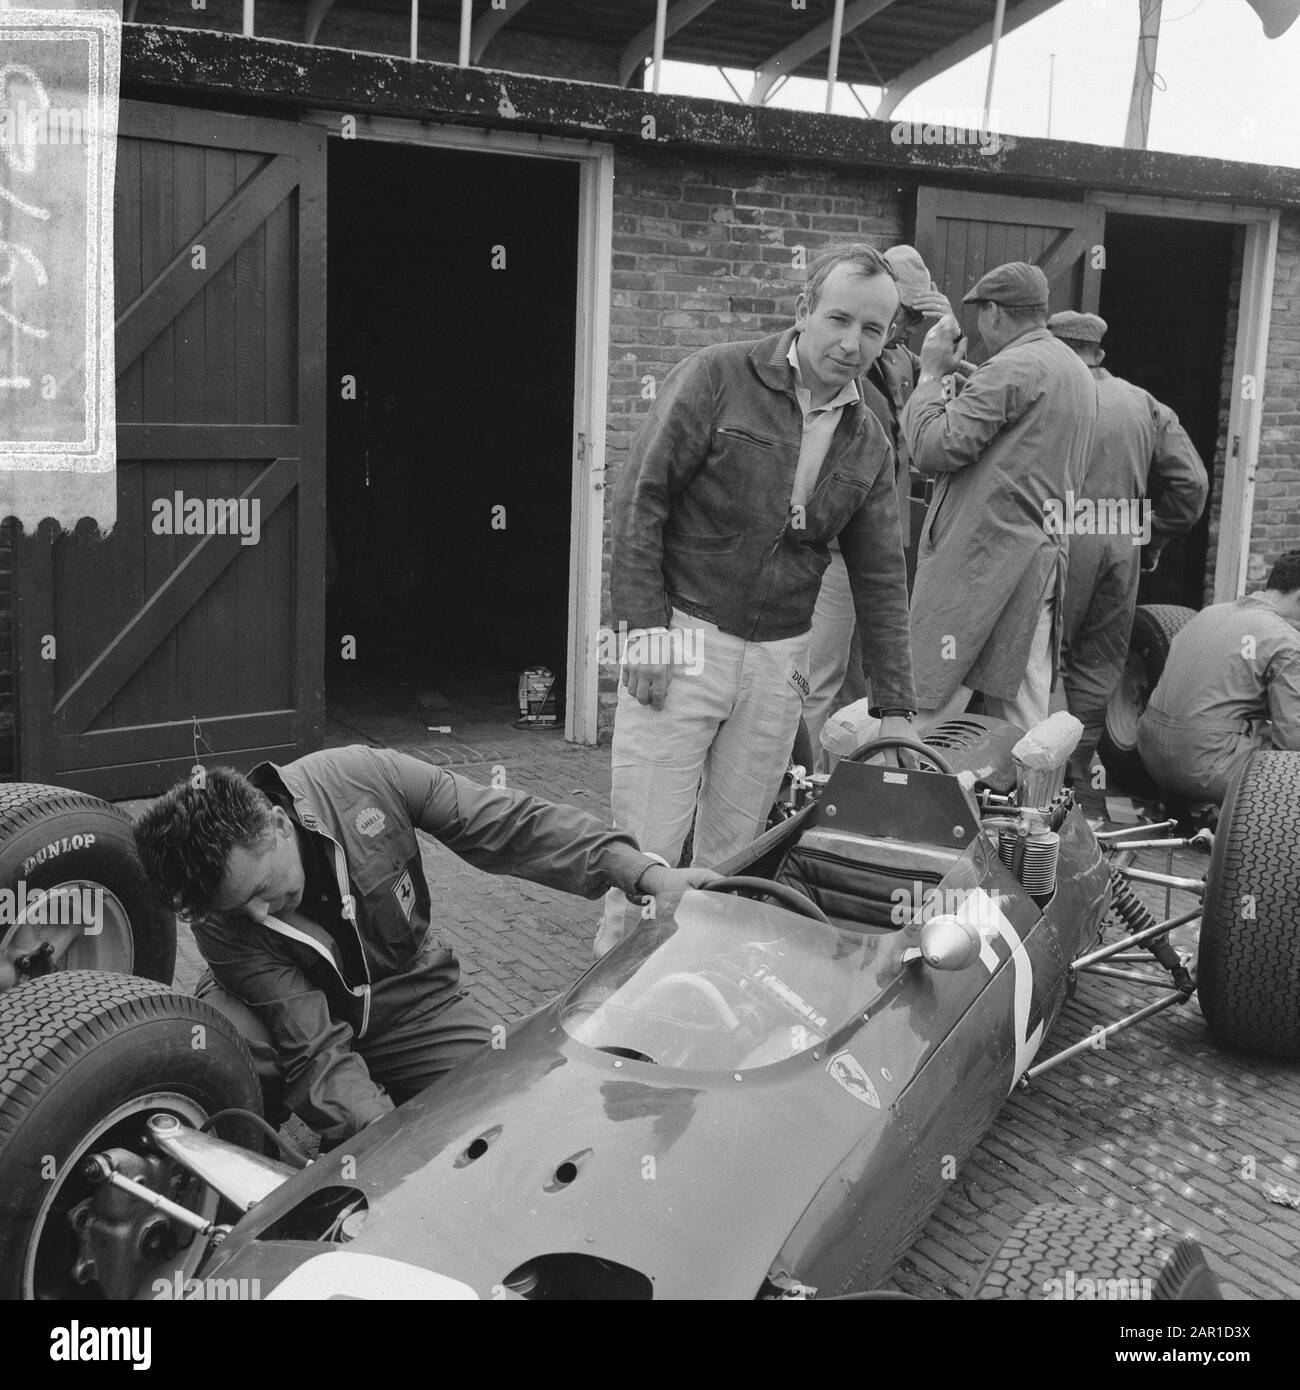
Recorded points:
(307, 896)
(990, 573)
(1136, 437)
(1231, 685)
(752, 459)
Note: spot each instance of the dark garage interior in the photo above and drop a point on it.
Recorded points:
(1164, 295)
(464, 381)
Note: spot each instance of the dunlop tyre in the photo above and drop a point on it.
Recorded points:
(1089, 1254)
(77, 1047)
(50, 835)
(1248, 972)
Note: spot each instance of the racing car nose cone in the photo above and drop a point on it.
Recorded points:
(948, 943)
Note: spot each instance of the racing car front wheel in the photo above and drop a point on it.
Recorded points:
(68, 862)
(85, 1059)
(1091, 1254)
(1248, 973)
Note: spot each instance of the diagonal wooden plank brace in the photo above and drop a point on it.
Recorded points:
(223, 234)
(163, 610)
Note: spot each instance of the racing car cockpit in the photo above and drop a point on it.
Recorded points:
(725, 984)
(730, 984)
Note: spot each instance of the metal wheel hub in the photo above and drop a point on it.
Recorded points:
(84, 923)
(87, 1241)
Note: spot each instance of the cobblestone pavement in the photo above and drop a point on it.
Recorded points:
(1163, 1123)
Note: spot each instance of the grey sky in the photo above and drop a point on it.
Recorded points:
(1228, 91)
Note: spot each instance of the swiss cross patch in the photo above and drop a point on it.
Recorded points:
(404, 892)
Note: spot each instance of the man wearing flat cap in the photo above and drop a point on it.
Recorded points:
(835, 672)
(1137, 438)
(990, 573)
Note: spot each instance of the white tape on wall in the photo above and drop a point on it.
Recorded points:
(59, 69)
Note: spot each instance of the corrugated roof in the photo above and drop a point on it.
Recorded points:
(747, 33)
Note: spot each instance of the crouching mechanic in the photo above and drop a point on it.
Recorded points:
(307, 898)
(1231, 684)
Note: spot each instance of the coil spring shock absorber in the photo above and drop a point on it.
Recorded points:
(1137, 916)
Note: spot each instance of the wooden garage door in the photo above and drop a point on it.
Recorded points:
(961, 235)
(220, 277)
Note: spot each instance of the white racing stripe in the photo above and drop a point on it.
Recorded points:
(339, 1274)
(984, 914)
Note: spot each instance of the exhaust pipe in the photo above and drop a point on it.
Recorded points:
(241, 1177)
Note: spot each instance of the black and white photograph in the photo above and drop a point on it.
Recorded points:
(649, 651)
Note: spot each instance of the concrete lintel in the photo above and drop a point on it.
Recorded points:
(169, 62)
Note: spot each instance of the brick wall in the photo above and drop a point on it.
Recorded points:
(1275, 526)
(703, 253)
(370, 31)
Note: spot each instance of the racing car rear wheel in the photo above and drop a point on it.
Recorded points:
(1154, 627)
(69, 867)
(1065, 1253)
(1249, 958)
(85, 1058)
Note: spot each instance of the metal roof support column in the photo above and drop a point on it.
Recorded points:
(466, 6)
(905, 83)
(661, 25)
(632, 59)
(999, 19)
(415, 29)
(250, 6)
(1144, 76)
(808, 45)
(316, 16)
(833, 66)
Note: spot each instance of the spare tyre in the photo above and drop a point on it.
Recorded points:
(1093, 1254)
(1248, 972)
(85, 1059)
(1154, 627)
(69, 875)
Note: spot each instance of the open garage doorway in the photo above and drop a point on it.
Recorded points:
(452, 320)
(1165, 297)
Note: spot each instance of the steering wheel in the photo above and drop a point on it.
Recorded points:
(706, 989)
(786, 896)
(923, 750)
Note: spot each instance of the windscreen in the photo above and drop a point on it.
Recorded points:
(725, 984)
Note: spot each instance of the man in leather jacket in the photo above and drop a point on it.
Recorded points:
(752, 459)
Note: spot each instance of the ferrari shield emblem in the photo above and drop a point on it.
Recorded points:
(847, 1071)
(404, 892)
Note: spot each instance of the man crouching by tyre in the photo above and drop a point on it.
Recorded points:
(307, 898)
